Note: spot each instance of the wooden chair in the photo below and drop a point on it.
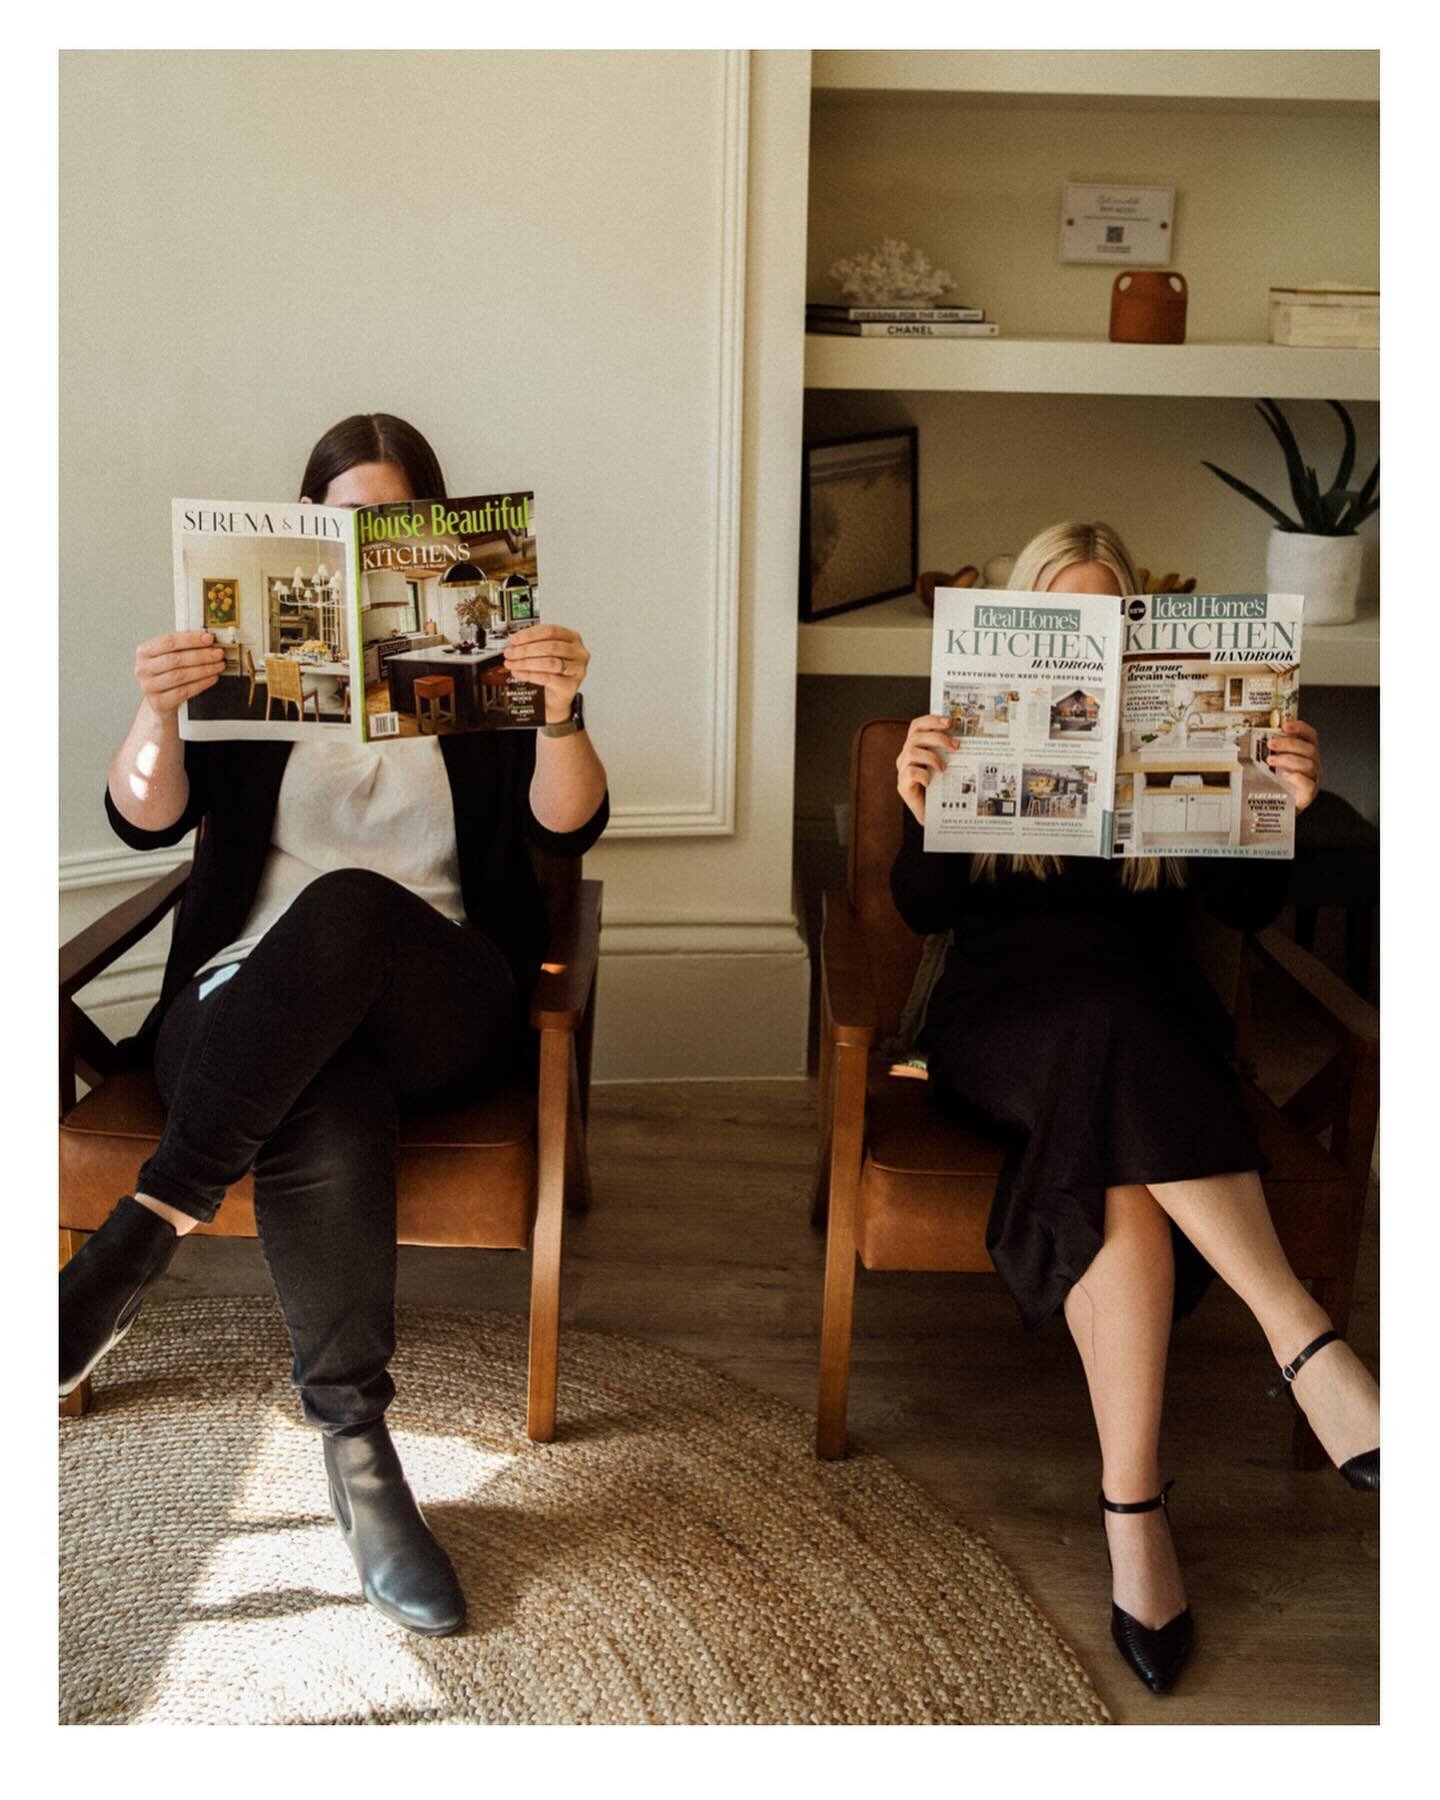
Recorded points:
(495, 1173)
(283, 682)
(244, 666)
(905, 1188)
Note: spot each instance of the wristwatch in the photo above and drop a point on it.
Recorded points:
(565, 727)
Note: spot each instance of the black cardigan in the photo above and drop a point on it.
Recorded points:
(234, 789)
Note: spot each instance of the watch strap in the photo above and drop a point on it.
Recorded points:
(567, 727)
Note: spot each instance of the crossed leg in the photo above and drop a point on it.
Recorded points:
(1119, 1314)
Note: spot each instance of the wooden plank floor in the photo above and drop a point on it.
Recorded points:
(699, 1238)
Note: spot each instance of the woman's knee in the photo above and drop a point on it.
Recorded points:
(1133, 1210)
(348, 896)
(342, 1130)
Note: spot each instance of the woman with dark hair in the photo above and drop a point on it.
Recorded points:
(376, 873)
(1131, 1174)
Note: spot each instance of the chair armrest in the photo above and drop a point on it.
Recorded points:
(847, 992)
(110, 936)
(1353, 1018)
(562, 989)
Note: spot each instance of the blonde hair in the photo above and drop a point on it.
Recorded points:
(1048, 553)
(1059, 547)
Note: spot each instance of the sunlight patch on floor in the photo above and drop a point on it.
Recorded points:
(223, 1663)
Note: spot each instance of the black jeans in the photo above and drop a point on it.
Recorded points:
(294, 1062)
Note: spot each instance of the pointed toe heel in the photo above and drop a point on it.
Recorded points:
(1158, 1656)
(1362, 1471)
(1155, 1654)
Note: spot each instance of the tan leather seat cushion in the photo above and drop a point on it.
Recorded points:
(466, 1175)
(926, 1185)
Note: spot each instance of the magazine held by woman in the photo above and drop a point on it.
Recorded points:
(384, 621)
(1083, 726)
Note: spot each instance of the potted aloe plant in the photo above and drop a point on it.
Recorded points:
(1319, 556)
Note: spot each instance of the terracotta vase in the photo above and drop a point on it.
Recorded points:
(1148, 306)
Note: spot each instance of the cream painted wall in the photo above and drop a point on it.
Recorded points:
(1262, 198)
(560, 269)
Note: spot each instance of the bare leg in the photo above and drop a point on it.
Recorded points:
(1225, 1217)
(1119, 1314)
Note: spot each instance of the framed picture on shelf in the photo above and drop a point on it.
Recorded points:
(858, 521)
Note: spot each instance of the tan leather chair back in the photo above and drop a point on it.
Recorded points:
(875, 822)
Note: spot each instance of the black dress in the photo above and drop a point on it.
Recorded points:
(1070, 1019)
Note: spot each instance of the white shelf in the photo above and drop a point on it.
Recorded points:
(1083, 365)
(1255, 80)
(893, 638)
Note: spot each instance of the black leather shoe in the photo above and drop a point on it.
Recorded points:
(102, 1285)
(404, 1573)
(1362, 1471)
(1157, 1654)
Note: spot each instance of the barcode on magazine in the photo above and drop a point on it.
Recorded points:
(384, 724)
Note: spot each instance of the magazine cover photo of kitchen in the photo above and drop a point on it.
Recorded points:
(1191, 771)
(442, 586)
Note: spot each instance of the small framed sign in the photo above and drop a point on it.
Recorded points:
(1117, 222)
(858, 523)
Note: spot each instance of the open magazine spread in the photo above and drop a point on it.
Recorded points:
(375, 622)
(1091, 726)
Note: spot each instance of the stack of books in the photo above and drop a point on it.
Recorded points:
(900, 321)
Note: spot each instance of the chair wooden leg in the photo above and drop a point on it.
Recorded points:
(585, 1050)
(826, 1098)
(73, 1405)
(838, 1315)
(553, 1111)
(578, 1193)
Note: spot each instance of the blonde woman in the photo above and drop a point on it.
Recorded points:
(1069, 1017)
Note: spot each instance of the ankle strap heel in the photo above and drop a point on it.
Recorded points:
(1291, 1369)
(1155, 1654)
(1362, 1471)
(1139, 1506)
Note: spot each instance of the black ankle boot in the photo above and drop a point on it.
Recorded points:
(103, 1283)
(403, 1570)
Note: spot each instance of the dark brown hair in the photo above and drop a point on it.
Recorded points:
(374, 437)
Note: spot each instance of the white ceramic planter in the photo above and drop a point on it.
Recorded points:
(1326, 570)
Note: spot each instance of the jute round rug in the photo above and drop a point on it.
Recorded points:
(677, 1556)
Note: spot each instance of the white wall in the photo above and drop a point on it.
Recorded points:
(558, 269)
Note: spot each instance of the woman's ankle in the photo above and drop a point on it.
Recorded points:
(172, 1215)
(1292, 1329)
(1130, 1483)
